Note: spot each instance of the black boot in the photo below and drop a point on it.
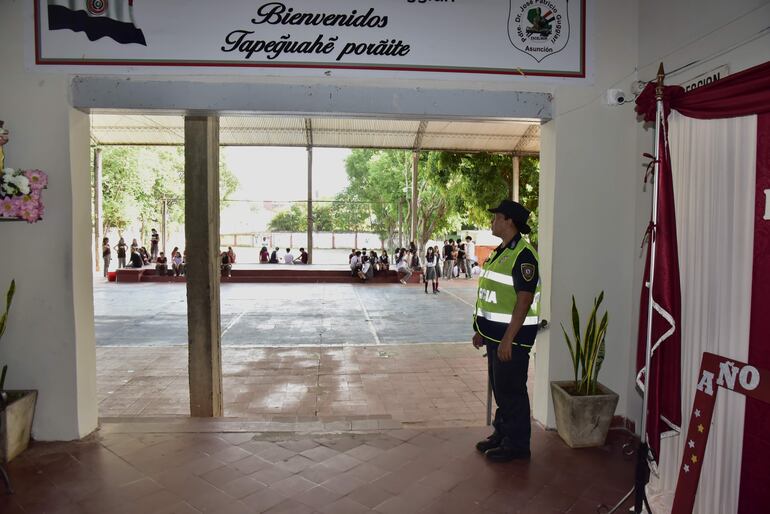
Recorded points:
(503, 454)
(489, 443)
(426, 288)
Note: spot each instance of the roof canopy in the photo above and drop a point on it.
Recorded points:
(462, 136)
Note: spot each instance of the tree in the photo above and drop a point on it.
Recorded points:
(294, 219)
(454, 190)
(486, 179)
(137, 180)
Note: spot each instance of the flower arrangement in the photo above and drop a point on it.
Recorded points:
(20, 194)
(20, 189)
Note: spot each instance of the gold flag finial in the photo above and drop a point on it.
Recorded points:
(659, 87)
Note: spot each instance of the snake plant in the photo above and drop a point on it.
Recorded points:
(587, 351)
(3, 320)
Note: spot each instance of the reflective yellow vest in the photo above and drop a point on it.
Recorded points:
(496, 297)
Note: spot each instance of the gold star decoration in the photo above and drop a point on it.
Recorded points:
(700, 428)
(694, 459)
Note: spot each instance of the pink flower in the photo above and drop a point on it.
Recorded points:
(7, 208)
(27, 202)
(28, 214)
(37, 179)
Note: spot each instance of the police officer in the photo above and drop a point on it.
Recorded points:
(505, 321)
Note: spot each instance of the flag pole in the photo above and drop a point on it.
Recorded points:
(653, 245)
(642, 473)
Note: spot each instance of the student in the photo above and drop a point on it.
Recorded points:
(448, 262)
(231, 254)
(402, 267)
(161, 264)
(106, 255)
(136, 259)
(274, 257)
(288, 258)
(176, 262)
(264, 255)
(367, 271)
(154, 240)
(303, 257)
(384, 260)
(226, 267)
(431, 261)
(355, 263)
(121, 248)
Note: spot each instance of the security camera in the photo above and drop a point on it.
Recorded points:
(615, 97)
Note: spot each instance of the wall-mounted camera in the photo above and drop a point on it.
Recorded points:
(615, 97)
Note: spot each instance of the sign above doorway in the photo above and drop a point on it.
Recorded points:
(495, 37)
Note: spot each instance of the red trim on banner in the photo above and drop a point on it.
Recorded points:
(755, 471)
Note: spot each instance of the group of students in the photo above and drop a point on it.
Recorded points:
(365, 264)
(266, 257)
(458, 258)
(135, 256)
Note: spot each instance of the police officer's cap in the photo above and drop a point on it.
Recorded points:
(516, 212)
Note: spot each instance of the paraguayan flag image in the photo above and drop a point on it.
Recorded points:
(97, 18)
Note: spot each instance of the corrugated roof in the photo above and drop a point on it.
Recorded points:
(488, 136)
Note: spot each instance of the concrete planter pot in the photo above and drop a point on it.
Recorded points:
(16, 423)
(582, 421)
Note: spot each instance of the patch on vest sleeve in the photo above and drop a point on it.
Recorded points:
(528, 271)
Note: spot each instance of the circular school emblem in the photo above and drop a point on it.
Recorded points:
(539, 28)
(96, 7)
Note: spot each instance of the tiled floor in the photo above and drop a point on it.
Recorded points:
(119, 471)
(425, 385)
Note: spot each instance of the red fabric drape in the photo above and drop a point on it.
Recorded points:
(742, 94)
(755, 473)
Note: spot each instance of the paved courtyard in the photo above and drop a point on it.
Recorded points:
(155, 314)
(330, 356)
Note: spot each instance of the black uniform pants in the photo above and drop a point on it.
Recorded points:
(509, 385)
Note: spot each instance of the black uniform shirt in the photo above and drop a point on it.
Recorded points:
(526, 258)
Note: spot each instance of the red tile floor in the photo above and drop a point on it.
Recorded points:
(181, 469)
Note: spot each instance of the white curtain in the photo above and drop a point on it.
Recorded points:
(714, 175)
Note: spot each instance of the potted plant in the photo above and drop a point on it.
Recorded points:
(17, 408)
(584, 407)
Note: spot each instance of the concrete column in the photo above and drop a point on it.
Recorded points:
(515, 179)
(415, 162)
(202, 240)
(164, 217)
(98, 208)
(400, 223)
(309, 205)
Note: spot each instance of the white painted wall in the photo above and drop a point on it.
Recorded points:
(50, 335)
(588, 175)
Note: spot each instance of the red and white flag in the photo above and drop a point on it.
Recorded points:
(664, 410)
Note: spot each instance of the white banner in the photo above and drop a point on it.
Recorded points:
(505, 37)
